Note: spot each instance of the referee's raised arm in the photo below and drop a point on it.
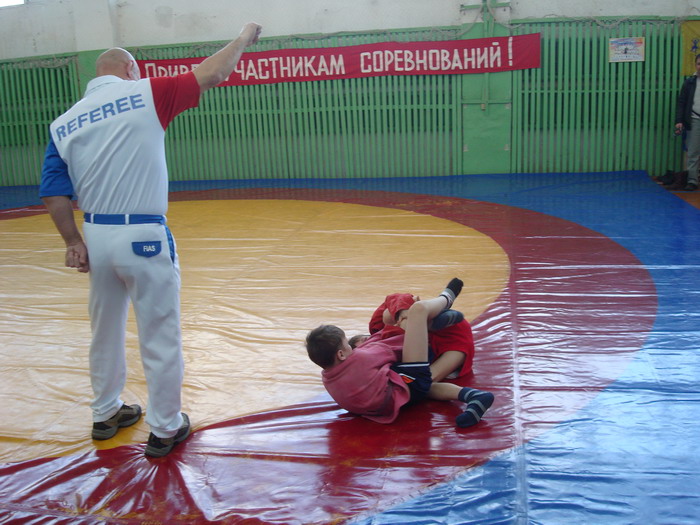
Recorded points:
(217, 67)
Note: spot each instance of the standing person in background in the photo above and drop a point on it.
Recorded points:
(109, 151)
(688, 119)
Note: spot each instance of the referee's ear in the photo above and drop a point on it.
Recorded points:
(133, 72)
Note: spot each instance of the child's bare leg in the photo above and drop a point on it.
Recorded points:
(446, 364)
(444, 391)
(415, 343)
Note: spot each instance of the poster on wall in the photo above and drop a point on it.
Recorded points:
(690, 34)
(451, 57)
(627, 49)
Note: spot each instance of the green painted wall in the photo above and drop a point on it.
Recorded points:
(577, 113)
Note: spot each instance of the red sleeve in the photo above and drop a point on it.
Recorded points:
(173, 95)
(394, 302)
(376, 323)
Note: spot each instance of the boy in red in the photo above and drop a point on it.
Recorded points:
(450, 338)
(391, 368)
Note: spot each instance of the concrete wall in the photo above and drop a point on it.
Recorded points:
(46, 27)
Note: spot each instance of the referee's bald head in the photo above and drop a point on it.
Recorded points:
(119, 62)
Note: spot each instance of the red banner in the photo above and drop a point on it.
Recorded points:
(452, 57)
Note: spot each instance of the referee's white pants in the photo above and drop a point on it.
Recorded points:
(117, 275)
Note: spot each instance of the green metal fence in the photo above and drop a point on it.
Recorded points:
(369, 127)
(577, 113)
(581, 113)
(32, 94)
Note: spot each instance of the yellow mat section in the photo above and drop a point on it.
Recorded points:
(256, 276)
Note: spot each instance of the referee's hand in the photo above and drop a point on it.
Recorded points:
(77, 257)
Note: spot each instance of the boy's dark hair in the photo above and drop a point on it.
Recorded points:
(323, 343)
(355, 339)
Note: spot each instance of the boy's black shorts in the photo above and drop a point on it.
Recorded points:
(417, 376)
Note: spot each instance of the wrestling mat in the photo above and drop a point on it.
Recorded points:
(584, 304)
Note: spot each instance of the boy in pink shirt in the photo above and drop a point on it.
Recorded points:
(391, 368)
